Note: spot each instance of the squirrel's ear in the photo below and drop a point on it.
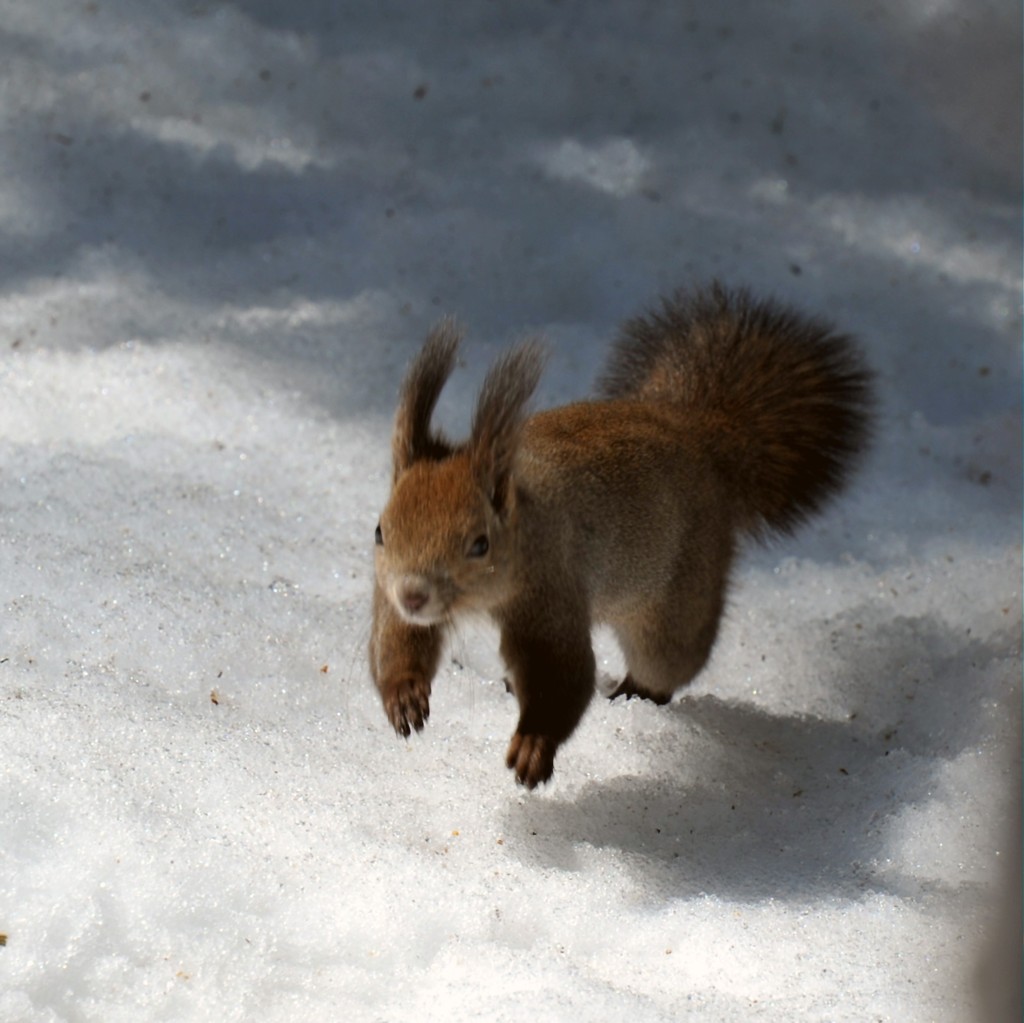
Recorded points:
(501, 411)
(412, 438)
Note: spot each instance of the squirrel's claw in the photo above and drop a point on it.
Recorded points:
(631, 689)
(532, 757)
(408, 705)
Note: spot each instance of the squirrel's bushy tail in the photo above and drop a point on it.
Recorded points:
(781, 400)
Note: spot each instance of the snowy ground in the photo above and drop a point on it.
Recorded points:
(224, 228)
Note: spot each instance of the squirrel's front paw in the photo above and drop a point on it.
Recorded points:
(532, 757)
(407, 703)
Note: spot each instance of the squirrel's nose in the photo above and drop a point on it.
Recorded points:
(413, 599)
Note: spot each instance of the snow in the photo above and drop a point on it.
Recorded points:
(224, 229)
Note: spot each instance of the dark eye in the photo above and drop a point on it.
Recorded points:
(378, 537)
(481, 545)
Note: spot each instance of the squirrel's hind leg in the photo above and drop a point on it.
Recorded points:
(668, 644)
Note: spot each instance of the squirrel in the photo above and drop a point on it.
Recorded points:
(718, 415)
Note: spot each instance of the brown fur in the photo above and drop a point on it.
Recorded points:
(718, 415)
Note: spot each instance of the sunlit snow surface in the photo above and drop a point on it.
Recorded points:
(224, 228)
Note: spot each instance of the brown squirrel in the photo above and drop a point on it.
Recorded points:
(717, 415)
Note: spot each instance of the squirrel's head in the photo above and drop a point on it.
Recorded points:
(445, 539)
(442, 546)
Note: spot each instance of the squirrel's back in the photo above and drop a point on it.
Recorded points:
(780, 400)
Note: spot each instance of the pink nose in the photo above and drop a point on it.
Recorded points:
(413, 600)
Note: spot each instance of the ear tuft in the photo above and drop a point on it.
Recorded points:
(412, 438)
(501, 412)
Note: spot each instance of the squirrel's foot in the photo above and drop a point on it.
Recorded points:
(629, 688)
(532, 757)
(407, 703)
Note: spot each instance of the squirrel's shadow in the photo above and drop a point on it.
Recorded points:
(785, 806)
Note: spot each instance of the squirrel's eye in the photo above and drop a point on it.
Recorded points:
(481, 545)
(378, 537)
